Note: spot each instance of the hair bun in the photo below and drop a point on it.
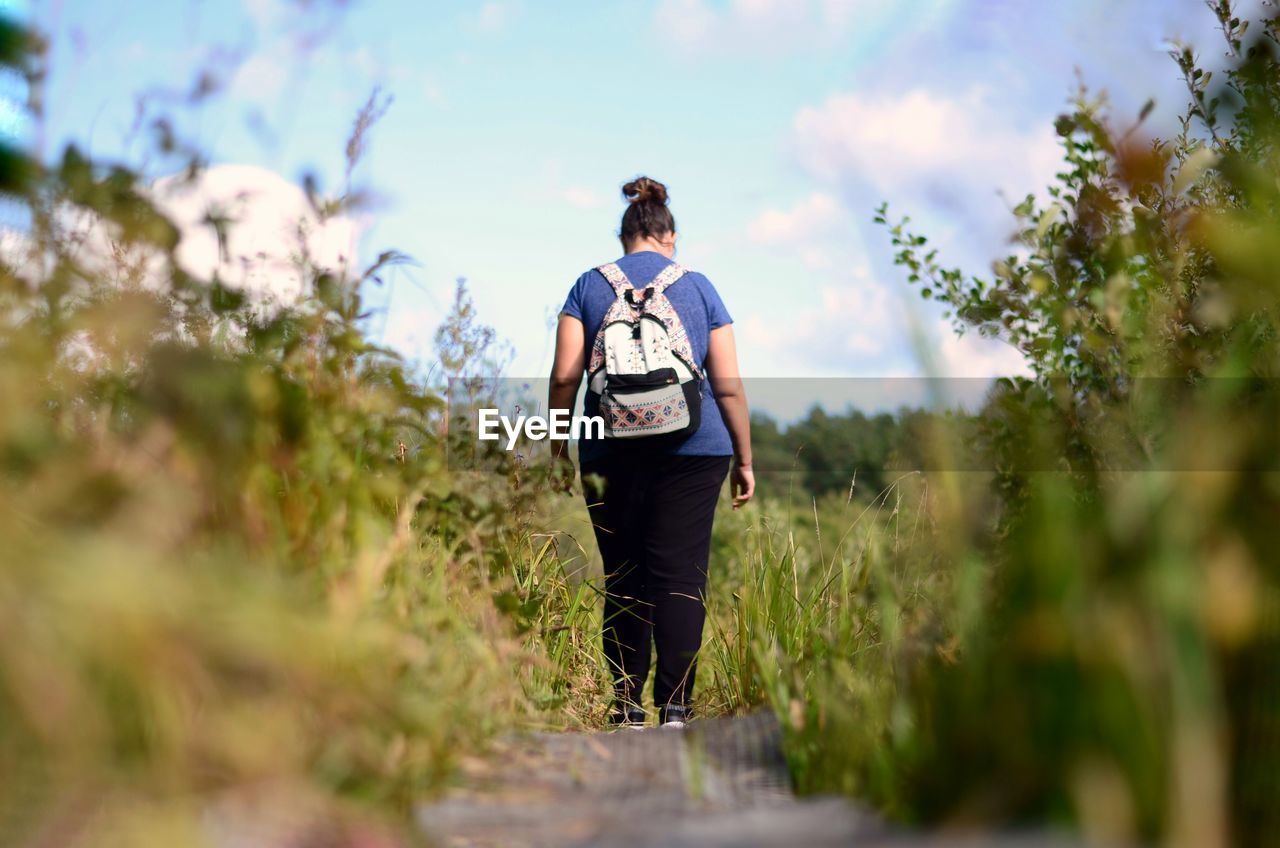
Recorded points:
(645, 190)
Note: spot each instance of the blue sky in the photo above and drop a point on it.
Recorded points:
(778, 126)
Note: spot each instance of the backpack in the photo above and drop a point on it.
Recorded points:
(642, 367)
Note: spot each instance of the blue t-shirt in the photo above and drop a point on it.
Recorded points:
(700, 310)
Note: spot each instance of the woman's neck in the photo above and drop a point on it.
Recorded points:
(641, 245)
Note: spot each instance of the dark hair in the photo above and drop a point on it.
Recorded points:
(647, 213)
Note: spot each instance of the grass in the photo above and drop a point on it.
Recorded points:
(236, 565)
(811, 606)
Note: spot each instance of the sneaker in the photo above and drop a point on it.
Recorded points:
(627, 715)
(674, 716)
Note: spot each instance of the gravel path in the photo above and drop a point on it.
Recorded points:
(720, 782)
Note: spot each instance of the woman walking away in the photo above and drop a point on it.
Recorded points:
(656, 344)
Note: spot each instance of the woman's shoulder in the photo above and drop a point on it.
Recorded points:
(592, 273)
(588, 279)
(717, 314)
(701, 283)
(587, 295)
(698, 278)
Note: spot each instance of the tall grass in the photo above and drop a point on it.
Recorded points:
(556, 598)
(1090, 641)
(812, 607)
(234, 565)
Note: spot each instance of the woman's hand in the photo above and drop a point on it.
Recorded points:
(742, 484)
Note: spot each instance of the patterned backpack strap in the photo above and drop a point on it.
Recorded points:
(616, 278)
(661, 308)
(667, 276)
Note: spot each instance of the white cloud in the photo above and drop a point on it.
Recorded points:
(924, 142)
(760, 25)
(265, 14)
(817, 214)
(432, 92)
(856, 316)
(261, 77)
(762, 16)
(582, 197)
(494, 16)
(972, 355)
(412, 331)
(688, 23)
(271, 224)
(861, 324)
(955, 163)
(853, 330)
(290, 46)
(855, 325)
(818, 230)
(926, 153)
(563, 183)
(840, 14)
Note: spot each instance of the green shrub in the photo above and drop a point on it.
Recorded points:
(233, 562)
(1117, 678)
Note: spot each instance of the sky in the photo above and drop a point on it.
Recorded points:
(777, 125)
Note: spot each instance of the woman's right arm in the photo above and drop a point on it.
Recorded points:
(566, 372)
(726, 385)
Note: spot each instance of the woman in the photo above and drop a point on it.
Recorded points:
(653, 517)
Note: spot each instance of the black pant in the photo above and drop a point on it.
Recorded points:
(653, 524)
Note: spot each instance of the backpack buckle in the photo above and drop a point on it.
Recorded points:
(645, 295)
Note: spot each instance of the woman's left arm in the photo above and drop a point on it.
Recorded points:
(726, 385)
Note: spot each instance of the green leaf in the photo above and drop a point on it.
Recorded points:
(1193, 168)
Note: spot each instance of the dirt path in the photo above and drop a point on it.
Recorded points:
(721, 782)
